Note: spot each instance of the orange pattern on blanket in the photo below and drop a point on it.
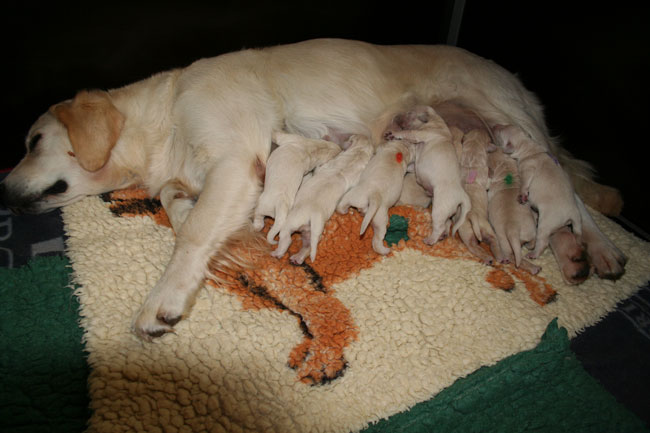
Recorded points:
(304, 291)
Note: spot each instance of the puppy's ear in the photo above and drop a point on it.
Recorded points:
(94, 126)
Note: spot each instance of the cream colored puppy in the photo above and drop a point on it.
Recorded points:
(543, 184)
(513, 223)
(472, 154)
(412, 193)
(285, 169)
(378, 189)
(436, 168)
(318, 196)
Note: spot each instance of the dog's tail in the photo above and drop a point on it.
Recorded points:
(605, 199)
(373, 205)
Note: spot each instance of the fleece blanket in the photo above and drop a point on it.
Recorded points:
(43, 370)
(333, 345)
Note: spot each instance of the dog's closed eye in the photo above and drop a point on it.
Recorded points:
(33, 142)
(59, 187)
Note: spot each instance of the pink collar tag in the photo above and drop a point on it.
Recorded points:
(471, 176)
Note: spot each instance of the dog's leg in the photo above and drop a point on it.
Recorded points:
(177, 202)
(608, 261)
(570, 256)
(218, 213)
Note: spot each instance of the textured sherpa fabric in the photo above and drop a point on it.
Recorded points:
(377, 335)
(43, 368)
(543, 389)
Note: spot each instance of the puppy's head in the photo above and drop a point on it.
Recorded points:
(67, 151)
(415, 118)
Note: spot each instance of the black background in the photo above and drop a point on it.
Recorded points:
(588, 63)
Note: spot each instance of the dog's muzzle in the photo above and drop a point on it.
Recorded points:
(19, 203)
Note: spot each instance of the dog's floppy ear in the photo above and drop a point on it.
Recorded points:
(94, 126)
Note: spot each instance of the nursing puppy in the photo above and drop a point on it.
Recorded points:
(412, 193)
(378, 189)
(543, 184)
(472, 154)
(513, 223)
(318, 196)
(436, 168)
(285, 169)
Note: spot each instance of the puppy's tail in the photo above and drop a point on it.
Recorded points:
(512, 234)
(373, 204)
(316, 230)
(465, 207)
(280, 216)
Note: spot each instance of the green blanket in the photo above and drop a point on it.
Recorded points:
(43, 374)
(42, 364)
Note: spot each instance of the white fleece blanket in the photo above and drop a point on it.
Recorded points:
(324, 348)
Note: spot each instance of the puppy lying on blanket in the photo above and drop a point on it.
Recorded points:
(378, 189)
(167, 134)
(285, 170)
(317, 198)
(543, 183)
(436, 168)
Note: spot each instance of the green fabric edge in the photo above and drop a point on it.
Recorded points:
(544, 389)
(43, 369)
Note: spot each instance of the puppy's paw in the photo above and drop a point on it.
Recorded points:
(531, 255)
(258, 223)
(388, 135)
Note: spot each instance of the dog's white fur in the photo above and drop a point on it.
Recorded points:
(285, 169)
(513, 223)
(543, 184)
(204, 127)
(318, 196)
(436, 168)
(378, 189)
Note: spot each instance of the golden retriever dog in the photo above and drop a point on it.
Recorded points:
(202, 131)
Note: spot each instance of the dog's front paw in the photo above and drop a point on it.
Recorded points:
(157, 316)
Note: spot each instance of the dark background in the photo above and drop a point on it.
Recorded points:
(588, 63)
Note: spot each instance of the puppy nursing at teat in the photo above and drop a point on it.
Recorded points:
(378, 189)
(318, 196)
(285, 169)
(472, 153)
(513, 223)
(543, 184)
(436, 168)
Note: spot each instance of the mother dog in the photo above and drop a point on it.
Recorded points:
(204, 131)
